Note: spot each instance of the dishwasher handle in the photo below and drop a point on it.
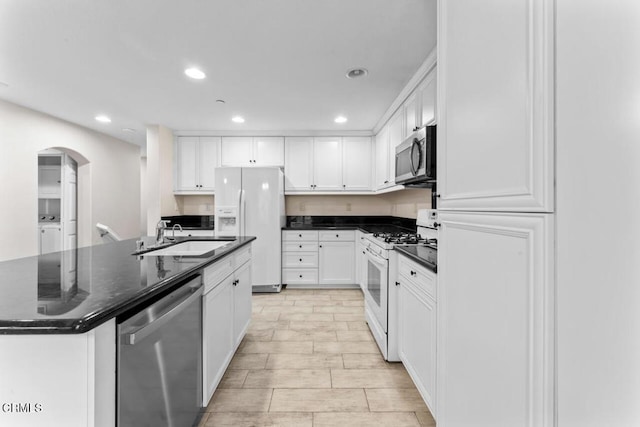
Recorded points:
(139, 334)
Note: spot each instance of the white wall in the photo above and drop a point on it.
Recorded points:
(109, 183)
(159, 176)
(598, 212)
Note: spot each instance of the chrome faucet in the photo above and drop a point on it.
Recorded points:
(160, 227)
(173, 230)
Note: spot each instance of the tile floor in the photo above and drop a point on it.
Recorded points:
(309, 359)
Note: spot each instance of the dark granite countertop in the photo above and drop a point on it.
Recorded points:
(109, 281)
(420, 254)
(366, 224)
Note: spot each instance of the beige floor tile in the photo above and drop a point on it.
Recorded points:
(289, 378)
(203, 419)
(304, 361)
(286, 309)
(261, 335)
(264, 302)
(395, 399)
(365, 419)
(353, 303)
(265, 317)
(289, 335)
(346, 347)
(344, 317)
(256, 309)
(240, 400)
(248, 361)
(233, 378)
(268, 296)
(368, 361)
(338, 309)
(297, 295)
(307, 317)
(259, 419)
(296, 325)
(318, 302)
(315, 400)
(276, 347)
(354, 336)
(261, 325)
(358, 326)
(370, 378)
(426, 419)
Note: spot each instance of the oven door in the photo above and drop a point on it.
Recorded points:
(376, 286)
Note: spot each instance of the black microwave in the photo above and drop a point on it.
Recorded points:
(416, 158)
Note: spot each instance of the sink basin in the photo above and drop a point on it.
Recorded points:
(191, 248)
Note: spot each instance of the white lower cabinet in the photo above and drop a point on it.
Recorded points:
(312, 258)
(417, 327)
(495, 320)
(226, 315)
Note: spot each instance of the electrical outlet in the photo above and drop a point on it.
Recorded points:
(348, 207)
(207, 207)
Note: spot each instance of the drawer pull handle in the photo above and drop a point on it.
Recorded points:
(300, 246)
(300, 259)
(397, 283)
(301, 276)
(337, 235)
(413, 273)
(299, 235)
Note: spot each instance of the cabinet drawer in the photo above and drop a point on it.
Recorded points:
(337, 235)
(298, 236)
(292, 276)
(300, 246)
(243, 255)
(215, 273)
(421, 277)
(300, 260)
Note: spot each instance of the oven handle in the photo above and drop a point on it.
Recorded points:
(376, 258)
(134, 337)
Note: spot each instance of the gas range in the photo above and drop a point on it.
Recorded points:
(389, 240)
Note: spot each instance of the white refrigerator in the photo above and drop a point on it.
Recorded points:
(250, 202)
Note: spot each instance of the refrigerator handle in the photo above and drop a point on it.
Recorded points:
(239, 218)
(243, 214)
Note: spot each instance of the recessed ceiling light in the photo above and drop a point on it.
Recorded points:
(357, 72)
(103, 119)
(340, 119)
(220, 101)
(129, 130)
(194, 73)
(237, 119)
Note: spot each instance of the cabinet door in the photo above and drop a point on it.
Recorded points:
(217, 333)
(356, 163)
(410, 111)
(187, 152)
(496, 95)
(496, 320)
(417, 339)
(268, 151)
(207, 162)
(327, 163)
(427, 94)
(298, 167)
(396, 135)
(241, 302)
(336, 263)
(49, 182)
(382, 158)
(236, 151)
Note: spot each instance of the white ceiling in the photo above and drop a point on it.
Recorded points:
(279, 63)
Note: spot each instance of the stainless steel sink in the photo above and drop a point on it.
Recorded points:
(190, 248)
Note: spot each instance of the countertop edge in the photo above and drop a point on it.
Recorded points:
(415, 258)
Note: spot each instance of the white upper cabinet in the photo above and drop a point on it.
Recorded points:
(327, 163)
(396, 136)
(356, 163)
(496, 105)
(382, 158)
(196, 158)
(252, 151)
(298, 167)
(427, 94)
(268, 151)
(410, 111)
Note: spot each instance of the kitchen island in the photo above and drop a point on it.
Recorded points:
(58, 318)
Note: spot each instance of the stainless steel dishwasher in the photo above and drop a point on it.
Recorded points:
(160, 362)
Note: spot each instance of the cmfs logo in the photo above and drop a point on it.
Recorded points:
(21, 408)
